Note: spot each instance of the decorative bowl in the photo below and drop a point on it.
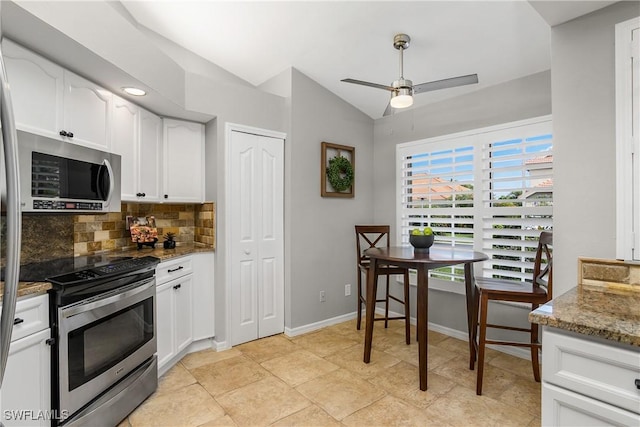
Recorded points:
(420, 242)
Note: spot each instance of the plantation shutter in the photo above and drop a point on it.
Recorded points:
(488, 189)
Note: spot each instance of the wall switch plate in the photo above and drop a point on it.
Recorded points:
(323, 296)
(347, 290)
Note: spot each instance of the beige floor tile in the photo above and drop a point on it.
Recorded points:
(262, 403)
(452, 344)
(409, 353)
(224, 421)
(188, 406)
(524, 394)
(536, 422)
(402, 380)
(462, 407)
(513, 364)
(495, 380)
(229, 374)
(175, 378)
(324, 343)
(267, 348)
(391, 411)
(204, 357)
(351, 359)
(340, 393)
(435, 338)
(311, 416)
(298, 367)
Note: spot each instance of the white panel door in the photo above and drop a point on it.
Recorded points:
(257, 244)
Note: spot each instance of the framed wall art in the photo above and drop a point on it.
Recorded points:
(337, 170)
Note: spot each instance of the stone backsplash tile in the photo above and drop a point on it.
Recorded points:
(62, 235)
(608, 273)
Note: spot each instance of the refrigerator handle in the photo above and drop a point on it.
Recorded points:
(14, 218)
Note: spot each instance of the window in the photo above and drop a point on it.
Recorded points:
(490, 189)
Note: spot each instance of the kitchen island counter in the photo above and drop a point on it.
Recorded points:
(609, 313)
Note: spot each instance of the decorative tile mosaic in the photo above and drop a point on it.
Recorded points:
(61, 235)
(609, 273)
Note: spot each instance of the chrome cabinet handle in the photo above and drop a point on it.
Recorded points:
(175, 269)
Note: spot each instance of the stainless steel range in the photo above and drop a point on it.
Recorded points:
(104, 328)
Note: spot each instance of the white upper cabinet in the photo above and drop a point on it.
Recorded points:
(149, 156)
(87, 112)
(51, 101)
(137, 137)
(124, 141)
(183, 169)
(37, 90)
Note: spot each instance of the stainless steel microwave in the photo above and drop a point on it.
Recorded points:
(57, 176)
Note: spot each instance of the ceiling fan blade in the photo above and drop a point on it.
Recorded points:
(446, 83)
(363, 83)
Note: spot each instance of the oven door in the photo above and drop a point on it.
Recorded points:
(103, 339)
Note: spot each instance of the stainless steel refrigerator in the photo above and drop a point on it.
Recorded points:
(10, 205)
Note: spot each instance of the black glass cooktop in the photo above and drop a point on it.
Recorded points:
(74, 269)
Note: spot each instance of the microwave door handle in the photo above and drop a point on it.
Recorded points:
(14, 218)
(109, 178)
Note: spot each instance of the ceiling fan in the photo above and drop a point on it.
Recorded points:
(402, 90)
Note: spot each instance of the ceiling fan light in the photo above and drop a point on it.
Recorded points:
(402, 99)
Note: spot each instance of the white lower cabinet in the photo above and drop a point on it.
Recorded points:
(25, 397)
(203, 302)
(184, 307)
(174, 299)
(588, 382)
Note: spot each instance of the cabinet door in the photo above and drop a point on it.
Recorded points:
(26, 389)
(203, 303)
(36, 90)
(183, 294)
(124, 141)
(165, 323)
(150, 151)
(183, 161)
(87, 112)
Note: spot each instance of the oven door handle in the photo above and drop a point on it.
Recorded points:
(92, 305)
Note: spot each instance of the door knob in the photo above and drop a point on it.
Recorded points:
(247, 251)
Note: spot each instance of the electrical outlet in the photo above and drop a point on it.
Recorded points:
(323, 297)
(347, 290)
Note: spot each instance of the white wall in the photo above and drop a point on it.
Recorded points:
(583, 97)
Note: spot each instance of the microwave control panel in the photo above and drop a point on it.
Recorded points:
(61, 205)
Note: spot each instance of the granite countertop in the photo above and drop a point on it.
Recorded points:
(609, 313)
(32, 288)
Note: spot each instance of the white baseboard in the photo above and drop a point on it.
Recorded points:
(221, 345)
(292, 332)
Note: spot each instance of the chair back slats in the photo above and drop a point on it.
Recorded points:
(370, 236)
(543, 265)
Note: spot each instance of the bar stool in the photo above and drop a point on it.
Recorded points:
(537, 292)
(371, 236)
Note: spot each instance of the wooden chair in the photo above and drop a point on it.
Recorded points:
(371, 236)
(537, 292)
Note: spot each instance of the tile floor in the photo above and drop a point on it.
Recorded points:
(319, 379)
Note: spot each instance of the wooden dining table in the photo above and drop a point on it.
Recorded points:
(423, 261)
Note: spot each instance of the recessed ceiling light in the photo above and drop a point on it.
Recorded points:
(134, 91)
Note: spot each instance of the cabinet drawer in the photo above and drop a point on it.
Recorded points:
(598, 370)
(564, 408)
(173, 269)
(32, 315)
